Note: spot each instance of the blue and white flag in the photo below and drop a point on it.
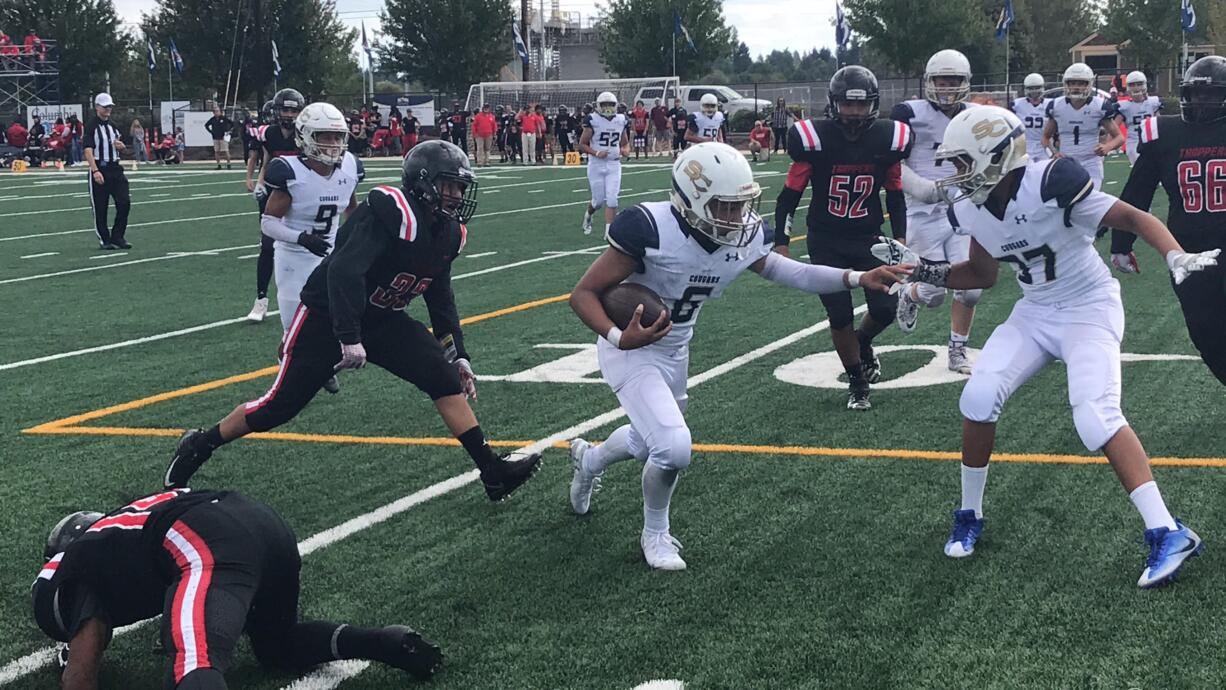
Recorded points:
(519, 42)
(1187, 17)
(1005, 21)
(175, 58)
(149, 55)
(276, 62)
(842, 30)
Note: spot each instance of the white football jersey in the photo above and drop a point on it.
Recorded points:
(1134, 113)
(317, 201)
(676, 266)
(1047, 234)
(607, 133)
(1033, 118)
(929, 123)
(1078, 129)
(706, 125)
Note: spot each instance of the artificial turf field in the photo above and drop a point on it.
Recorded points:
(813, 534)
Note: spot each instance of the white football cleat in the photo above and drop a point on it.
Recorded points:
(258, 310)
(583, 483)
(587, 223)
(907, 311)
(662, 550)
(958, 360)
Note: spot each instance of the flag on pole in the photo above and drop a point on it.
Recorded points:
(175, 58)
(365, 43)
(520, 48)
(842, 30)
(679, 30)
(149, 54)
(276, 62)
(1005, 21)
(1187, 16)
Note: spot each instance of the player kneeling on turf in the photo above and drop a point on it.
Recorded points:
(213, 564)
(687, 251)
(1041, 219)
(399, 244)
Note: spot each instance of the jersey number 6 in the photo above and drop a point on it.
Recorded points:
(685, 308)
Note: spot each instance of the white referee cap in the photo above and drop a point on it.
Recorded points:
(104, 100)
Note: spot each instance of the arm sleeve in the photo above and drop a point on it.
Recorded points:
(789, 198)
(810, 278)
(276, 228)
(444, 318)
(1139, 192)
(896, 206)
(347, 267)
(634, 231)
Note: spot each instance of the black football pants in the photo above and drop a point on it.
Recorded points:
(114, 186)
(854, 252)
(1202, 296)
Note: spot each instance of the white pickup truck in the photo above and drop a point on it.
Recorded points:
(690, 95)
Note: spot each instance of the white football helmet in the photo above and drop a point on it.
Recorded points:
(984, 144)
(1138, 85)
(322, 133)
(606, 103)
(709, 103)
(947, 63)
(714, 191)
(1033, 85)
(1078, 82)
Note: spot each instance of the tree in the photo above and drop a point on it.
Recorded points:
(905, 37)
(87, 31)
(741, 60)
(636, 37)
(447, 45)
(1045, 42)
(1151, 28)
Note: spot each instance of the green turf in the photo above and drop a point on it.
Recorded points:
(805, 572)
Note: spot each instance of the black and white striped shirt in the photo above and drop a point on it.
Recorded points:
(101, 135)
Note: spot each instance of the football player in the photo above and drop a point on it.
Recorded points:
(688, 250)
(848, 160)
(605, 140)
(1075, 118)
(398, 244)
(947, 85)
(706, 124)
(1041, 218)
(1032, 111)
(309, 195)
(276, 139)
(213, 564)
(1132, 112)
(1186, 154)
(680, 120)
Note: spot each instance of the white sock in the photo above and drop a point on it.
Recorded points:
(1149, 503)
(973, 481)
(615, 449)
(957, 338)
(658, 485)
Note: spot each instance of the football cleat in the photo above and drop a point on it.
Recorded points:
(958, 361)
(857, 397)
(332, 385)
(121, 243)
(1168, 551)
(662, 550)
(190, 454)
(409, 651)
(258, 310)
(965, 533)
(907, 311)
(584, 483)
(514, 470)
(872, 365)
(587, 223)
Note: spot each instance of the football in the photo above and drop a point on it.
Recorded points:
(621, 300)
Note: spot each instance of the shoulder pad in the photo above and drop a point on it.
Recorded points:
(902, 111)
(279, 173)
(392, 208)
(1065, 181)
(1149, 129)
(1156, 101)
(692, 117)
(358, 169)
(806, 136)
(633, 231)
(587, 121)
(1051, 106)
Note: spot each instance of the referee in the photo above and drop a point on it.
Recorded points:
(106, 178)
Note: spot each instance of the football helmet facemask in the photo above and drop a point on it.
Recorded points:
(1033, 85)
(854, 84)
(322, 133)
(287, 103)
(439, 175)
(984, 144)
(1202, 93)
(952, 65)
(1078, 83)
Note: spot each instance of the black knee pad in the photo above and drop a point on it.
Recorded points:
(201, 679)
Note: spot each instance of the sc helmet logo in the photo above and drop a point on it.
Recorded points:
(701, 182)
(990, 128)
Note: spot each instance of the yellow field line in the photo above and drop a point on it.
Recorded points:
(50, 427)
(726, 448)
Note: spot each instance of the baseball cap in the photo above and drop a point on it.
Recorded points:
(103, 99)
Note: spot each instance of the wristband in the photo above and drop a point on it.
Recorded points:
(614, 336)
(852, 279)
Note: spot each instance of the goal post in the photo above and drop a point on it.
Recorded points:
(572, 94)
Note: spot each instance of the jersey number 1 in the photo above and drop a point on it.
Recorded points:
(841, 189)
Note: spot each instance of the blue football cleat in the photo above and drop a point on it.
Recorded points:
(965, 533)
(1168, 550)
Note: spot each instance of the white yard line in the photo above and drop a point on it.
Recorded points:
(248, 256)
(108, 255)
(329, 676)
(37, 256)
(167, 256)
(478, 256)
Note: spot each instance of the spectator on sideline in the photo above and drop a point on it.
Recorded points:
(18, 135)
(564, 131)
(180, 145)
(779, 123)
(484, 128)
(395, 132)
(220, 127)
(659, 123)
(38, 133)
(542, 130)
(107, 181)
(412, 129)
(137, 133)
(760, 141)
(459, 126)
(357, 138)
(72, 138)
(515, 139)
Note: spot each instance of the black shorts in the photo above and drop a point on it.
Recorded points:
(854, 252)
(310, 351)
(679, 140)
(236, 565)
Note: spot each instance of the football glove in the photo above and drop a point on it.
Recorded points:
(1183, 264)
(1126, 263)
(314, 243)
(891, 252)
(468, 380)
(352, 357)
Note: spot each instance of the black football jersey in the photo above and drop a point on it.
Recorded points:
(1189, 161)
(846, 176)
(276, 143)
(118, 570)
(389, 251)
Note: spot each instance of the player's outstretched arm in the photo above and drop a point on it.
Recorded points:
(1139, 191)
(85, 655)
(609, 269)
(818, 279)
(976, 273)
(1124, 216)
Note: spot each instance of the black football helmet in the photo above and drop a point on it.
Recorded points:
(587, 108)
(1202, 94)
(288, 100)
(267, 117)
(854, 83)
(432, 163)
(67, 530)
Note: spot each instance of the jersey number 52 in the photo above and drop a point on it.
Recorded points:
(842, 187)
(609, 138)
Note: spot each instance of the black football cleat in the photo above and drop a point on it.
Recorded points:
(190, 454)
(122, 244)
(857, 396)
(513, 472)
(409, 651)
(872, 365)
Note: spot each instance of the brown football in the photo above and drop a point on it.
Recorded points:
(621, 300)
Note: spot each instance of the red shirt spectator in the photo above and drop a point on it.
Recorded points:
(638, 116)
(762, 135)
(659, 117)
(484, 124)
(6, 45)
(18, 134)
(33, 43)
(538, 124)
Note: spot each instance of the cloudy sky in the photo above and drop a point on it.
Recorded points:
(762, 24)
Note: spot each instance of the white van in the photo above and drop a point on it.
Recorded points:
(691, 95)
